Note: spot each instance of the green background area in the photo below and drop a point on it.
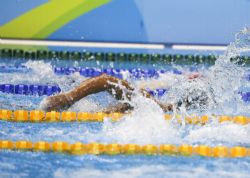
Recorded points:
(45, 19)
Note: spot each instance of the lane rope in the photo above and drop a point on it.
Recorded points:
(23, 89)
(135, 73)
(41, 90)
(36, 116)
(79, 148)
(119, 57)
(159, 92)
(105, 56)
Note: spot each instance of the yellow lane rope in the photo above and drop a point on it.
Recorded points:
(126, 149)
(66, 116)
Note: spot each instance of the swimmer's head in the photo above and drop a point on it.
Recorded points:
(192, 95)
(195, 99)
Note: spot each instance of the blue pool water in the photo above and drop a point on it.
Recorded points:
(225, 78)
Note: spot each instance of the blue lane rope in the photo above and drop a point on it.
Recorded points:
(10, 69)
(23, 89)
(134, 73)
(160, 92)
(40, 90)
(245, 96)
(93, 72)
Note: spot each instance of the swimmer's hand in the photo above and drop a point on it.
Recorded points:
(194, 75)
(55, 103)
(166, 107)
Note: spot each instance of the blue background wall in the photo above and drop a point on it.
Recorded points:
(158, 21)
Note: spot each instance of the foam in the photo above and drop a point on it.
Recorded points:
(214, 134)
(146, 124)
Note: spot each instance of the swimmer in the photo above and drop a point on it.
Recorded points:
(118, 88)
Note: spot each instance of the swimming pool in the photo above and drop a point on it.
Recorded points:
(227, 79)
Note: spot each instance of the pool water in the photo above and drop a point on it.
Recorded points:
(224, 78)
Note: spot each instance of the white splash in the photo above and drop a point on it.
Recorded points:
(146, 124)
(220, 83)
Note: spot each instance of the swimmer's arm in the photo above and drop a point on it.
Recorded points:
(118, 108)
(119, 88)
(152, 84)
(166, 107)
(164, 81)
(125, 108)
(114, 86)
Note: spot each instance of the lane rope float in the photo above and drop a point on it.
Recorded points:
(135, 73)
(107, 56)
(23, 89)
(11, 68)
(66, 116)
(79, 148)
(41, 90)
(159, 92)
(119, 57)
